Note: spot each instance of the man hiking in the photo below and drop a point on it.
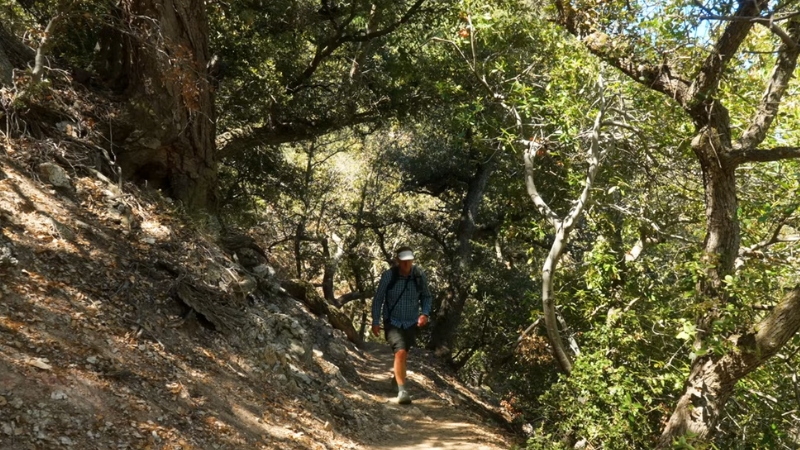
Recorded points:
(402, 293)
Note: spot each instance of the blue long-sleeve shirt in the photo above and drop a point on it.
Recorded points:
(406, 311)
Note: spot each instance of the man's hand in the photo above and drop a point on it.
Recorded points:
(422, 321)
(376, 329)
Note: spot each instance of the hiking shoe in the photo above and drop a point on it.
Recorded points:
(403, 398)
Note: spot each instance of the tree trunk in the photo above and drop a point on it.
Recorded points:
(331, 267)
(722, 240)
(169, 139)
(549, 301)
(466, 226)
(448, 317)
(712, 380)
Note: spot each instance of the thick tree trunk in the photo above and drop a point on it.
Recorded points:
(712, 379)
(170, 142)
(722, 239)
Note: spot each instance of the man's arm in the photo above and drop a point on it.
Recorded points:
(424, 301)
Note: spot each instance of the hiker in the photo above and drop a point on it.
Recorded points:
(402, 293)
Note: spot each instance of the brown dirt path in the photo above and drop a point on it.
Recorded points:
(441, 415)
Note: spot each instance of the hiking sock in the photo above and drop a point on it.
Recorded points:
(401, 388)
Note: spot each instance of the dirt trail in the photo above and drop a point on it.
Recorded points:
(439, 416)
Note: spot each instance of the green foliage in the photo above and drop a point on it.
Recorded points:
(479, 77)
(306, 64)
(607, 403)
(401, 126)
(77, 27)
(15, 18)
(249, 185)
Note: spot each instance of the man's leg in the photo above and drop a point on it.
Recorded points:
(400, 358)
(401, 340)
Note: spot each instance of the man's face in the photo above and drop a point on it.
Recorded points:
(405, 267)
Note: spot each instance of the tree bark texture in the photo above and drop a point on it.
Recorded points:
(712, 380)
(562, 227)
(549, 301)
(170, 140)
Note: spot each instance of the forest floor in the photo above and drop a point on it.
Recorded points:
(98, 352)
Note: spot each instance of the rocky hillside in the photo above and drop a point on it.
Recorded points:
(123, 325)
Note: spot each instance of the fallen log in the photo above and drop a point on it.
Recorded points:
(306, 293)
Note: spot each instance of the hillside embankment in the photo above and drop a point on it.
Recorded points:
(125, 326)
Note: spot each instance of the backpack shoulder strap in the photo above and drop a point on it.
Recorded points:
(416, 274)
(393, 280)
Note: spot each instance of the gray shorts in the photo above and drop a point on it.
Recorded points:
(400, 338)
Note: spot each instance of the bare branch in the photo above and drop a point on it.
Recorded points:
(573, 344)
(769, 22)
(773, 238)
(593, 158)
(770, 101)
(530, 183)
(44, 44)
(659, 77)
(351, 296)
(460, 52)
(530, 328)
(234, 142)
(655, 226)
(340, 39)
(765, 155)
(724, 50)
(562, 229)
(787, 40)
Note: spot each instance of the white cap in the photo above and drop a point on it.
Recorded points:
(405, 255)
